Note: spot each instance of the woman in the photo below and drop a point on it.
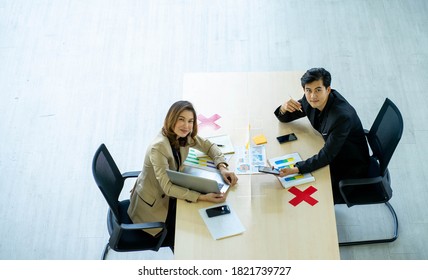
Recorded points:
(152, 198)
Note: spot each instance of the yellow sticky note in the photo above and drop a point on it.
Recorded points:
(260, 139)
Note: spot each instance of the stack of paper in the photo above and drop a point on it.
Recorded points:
(248, 161)
(288, 161)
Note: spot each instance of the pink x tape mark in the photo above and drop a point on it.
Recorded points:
(209, 122)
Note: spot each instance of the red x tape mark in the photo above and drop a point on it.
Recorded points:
(209, 122)
(303, 196)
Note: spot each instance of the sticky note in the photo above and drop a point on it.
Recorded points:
(260, 139)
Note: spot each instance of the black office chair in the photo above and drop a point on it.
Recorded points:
(383, 138)
(124, 235)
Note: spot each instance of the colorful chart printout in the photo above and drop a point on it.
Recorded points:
(200, 162)
(288, 161)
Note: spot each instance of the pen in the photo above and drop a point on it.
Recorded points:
(297, 108)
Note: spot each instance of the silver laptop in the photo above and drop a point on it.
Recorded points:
(198, 180)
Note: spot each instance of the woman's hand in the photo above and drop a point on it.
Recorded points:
(213, 197)
(228, 176)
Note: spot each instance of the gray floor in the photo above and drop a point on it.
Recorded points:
(74, 74)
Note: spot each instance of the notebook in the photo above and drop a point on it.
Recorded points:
(223, 142)
(224, 225)
(198, 180)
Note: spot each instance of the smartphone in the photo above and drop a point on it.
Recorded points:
(217, 211)
(286, 138)
(267, 169)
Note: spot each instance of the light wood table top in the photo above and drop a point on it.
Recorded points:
(275, 229)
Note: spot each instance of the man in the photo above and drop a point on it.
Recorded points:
(345, 148)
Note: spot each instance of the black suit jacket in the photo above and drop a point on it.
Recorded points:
(345, 148)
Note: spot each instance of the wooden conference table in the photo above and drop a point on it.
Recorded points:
(275, 229)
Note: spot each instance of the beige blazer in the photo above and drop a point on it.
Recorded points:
(150, 196)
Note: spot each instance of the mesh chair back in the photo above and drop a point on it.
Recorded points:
(108, 178)
(385, 134)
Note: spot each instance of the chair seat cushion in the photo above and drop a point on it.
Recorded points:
(132, 240)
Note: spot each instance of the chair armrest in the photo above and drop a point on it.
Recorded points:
(130, 174)
(141, 226)
(364, 191)
(358, 182)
